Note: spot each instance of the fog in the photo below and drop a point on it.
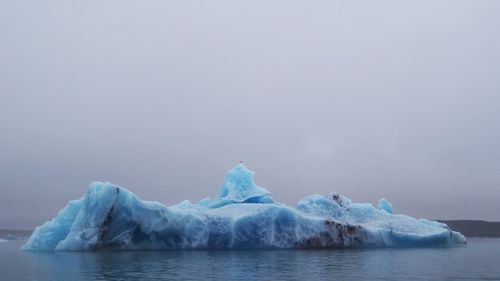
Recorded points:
(394, 99)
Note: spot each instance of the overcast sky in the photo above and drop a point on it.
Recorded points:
(394, 99)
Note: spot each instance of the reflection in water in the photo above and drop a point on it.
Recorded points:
(478, 260)
(185, 265)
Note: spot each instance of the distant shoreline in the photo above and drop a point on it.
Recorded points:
(469, 228)
(14, 234)
(474, 228)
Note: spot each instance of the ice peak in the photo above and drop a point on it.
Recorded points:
(240, 187)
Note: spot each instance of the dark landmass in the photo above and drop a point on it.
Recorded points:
(473, 228)
(14, 234)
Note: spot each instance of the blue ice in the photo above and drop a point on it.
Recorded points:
(241, 216)
(384, 204)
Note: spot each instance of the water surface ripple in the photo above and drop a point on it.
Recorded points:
(479, 260)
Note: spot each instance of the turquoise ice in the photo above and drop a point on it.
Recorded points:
(242, 216)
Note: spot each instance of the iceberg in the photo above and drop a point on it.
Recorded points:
(241, 216)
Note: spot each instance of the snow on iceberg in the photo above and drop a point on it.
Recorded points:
(242, 216)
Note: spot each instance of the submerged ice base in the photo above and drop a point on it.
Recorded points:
(242, 216)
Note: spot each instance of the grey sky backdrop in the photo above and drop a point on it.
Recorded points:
(395, 99)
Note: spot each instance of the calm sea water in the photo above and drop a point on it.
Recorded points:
(479, 260)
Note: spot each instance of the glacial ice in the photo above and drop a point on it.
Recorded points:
(384, 204)
(242, 216)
